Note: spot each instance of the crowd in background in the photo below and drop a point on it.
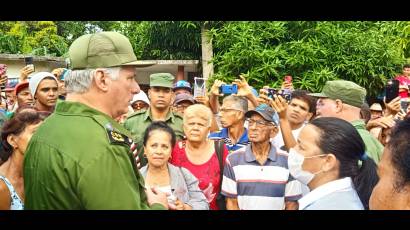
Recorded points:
(88, 138)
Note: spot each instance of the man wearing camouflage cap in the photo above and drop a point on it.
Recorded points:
(161, 97)
(343, 99)
(80, 157)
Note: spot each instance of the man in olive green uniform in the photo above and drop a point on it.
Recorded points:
(80, 157)
(161, 97)
(343, 99)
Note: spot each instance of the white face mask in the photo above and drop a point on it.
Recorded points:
(295, 162)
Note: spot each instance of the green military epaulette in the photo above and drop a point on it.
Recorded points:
(137, 113)
(118, 138)
(178, 114)
(114, 135)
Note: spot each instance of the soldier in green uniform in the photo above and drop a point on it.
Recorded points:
(161, 97)
(80, 157)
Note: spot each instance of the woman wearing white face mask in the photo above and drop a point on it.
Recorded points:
(330, 158)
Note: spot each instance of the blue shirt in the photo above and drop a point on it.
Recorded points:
(223, 135)
(335, 195)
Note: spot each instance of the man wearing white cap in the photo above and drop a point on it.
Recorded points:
(376, 111)
(43, 86)
(140, 101)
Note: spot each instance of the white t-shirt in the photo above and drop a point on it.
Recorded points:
(278, 139)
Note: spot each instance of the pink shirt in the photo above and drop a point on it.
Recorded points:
(403, 81)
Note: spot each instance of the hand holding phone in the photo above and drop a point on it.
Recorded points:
(199, 87)
(392, 90)
(228, 89)
(29, 62)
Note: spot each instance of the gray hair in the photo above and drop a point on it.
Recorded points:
(200, 111)
(240, 103)
(79, 81)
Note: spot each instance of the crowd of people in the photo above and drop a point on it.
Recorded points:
(88, 137)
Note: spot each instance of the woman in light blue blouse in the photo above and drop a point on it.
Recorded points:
(330, 159)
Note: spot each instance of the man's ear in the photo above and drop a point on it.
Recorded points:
(339, 105)
(149, 94)
(274, 131)
(172, 97)
(101, 80)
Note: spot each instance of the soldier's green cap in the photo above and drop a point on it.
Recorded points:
(348, 92)
(161, 80)
(103, 49)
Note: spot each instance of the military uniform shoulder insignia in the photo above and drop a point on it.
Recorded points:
(116, 137)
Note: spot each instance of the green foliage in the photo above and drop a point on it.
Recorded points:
(36, 38)
(312, 52)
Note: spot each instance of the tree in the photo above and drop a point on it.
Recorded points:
(312, 52)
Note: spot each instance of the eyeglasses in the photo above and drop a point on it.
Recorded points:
(181, 106)
(258, 123)
(224, 110)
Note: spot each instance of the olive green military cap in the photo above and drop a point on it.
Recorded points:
(103, 49)
(161, 80)
(348, 92)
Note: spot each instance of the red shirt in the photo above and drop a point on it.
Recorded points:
(207, 173)
(403, 81)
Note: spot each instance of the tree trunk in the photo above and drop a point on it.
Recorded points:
(207, 53)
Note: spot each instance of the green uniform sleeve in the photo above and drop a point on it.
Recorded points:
(108, 183)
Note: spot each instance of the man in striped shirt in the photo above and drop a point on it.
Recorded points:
(257, 176)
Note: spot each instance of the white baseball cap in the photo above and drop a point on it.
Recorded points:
(141, 96)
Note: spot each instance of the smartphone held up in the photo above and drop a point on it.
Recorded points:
(29, 62)
(391, 89)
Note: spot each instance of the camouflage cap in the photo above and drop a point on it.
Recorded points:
(161, 80)
(348, 92)
(103, 49)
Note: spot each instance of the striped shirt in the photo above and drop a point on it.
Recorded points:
(256, 186)
(223, 135)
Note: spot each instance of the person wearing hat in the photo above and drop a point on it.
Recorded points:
(10, 96)
(344, 99)
(376, 111)
(43, 86)
(182, 86)
(23, 94)
(250, 171)
(80, 157)
(183, 101)
(161, 97)
(140, 101)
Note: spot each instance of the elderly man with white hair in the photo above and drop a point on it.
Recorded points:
(80, 157)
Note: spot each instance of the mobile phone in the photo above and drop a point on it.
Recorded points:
(62, 77)
(228, 89)
(271, 92)
(29, 62)
(392, 90)
(285, 94)
(199, 87)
